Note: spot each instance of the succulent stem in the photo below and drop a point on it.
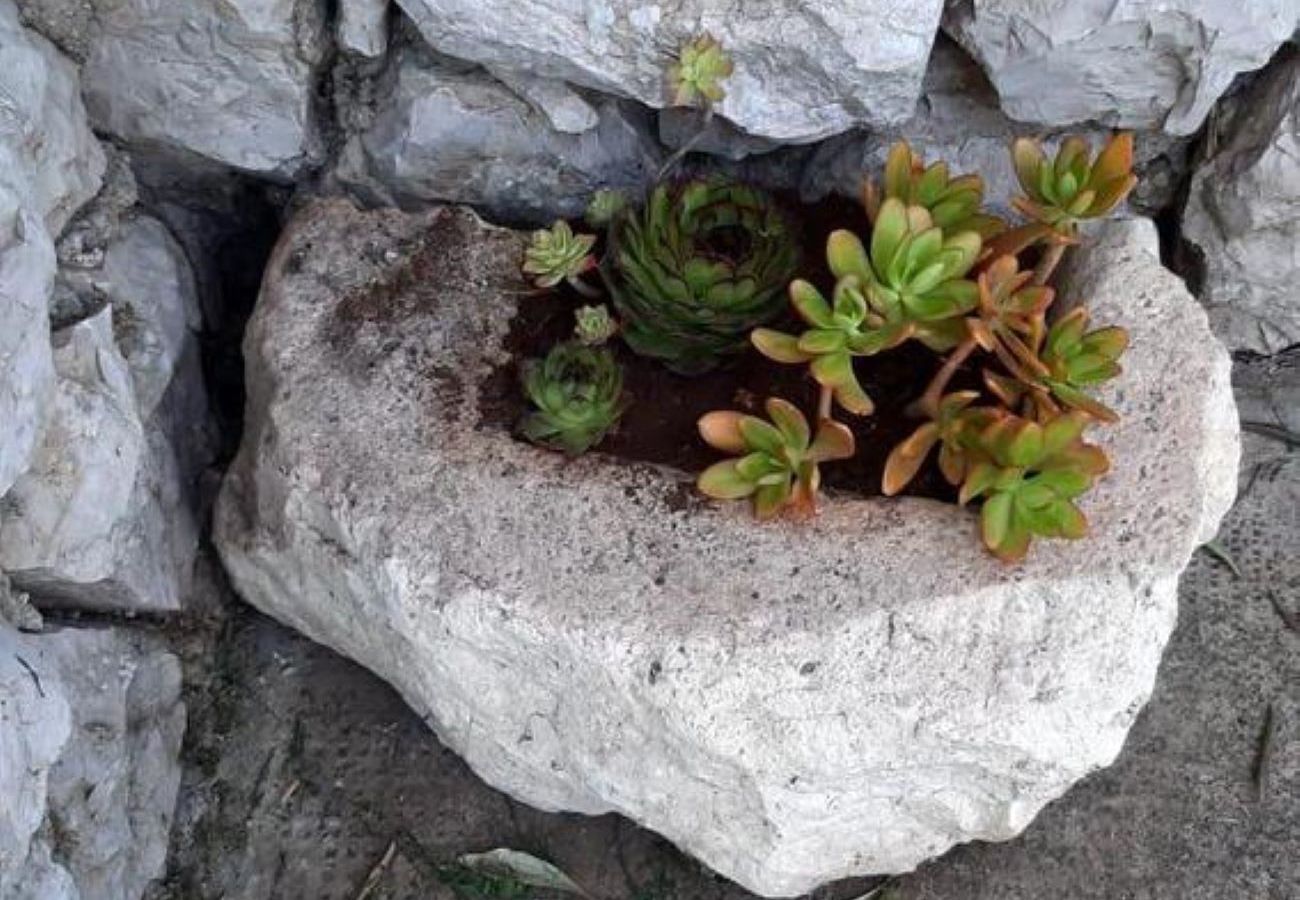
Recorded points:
(824, 400)
(680, 153)
(1047, 265)
(929, 402)
(586, 290)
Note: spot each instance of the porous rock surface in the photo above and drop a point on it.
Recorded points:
(91, 723)
(803, 70)
(446, 131)
(1156, 64)
(1243, 214)
(790, 703)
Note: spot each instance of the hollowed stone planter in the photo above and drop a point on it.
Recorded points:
(792, 703)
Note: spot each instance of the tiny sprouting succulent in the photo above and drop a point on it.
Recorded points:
(695, 270)
(593, 325)
(577, 392)
(695, 79)
(556, 254)
(605, 206)
(955, 204)
(1073, 186)
(776, 462)
(1029, 476)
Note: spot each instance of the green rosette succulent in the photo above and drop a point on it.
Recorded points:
(593, 325)
(1077, 359)
(577, 392)
(955, 420)
(1030, 474)
(556, 254)
(955, 204)
(1072, 186)
(695, 79)
(695, 270)
(776, 462)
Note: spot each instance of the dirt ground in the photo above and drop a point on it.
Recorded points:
(307, 778)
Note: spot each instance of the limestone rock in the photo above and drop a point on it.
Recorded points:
(958, 120)
(363, 27)
(1243, 214)
(34, 726)
(232, 80)
(804, 70)
(47, 151)
(790, 703)
(566, 109)
(113, 789)
(26, 365)
(92, 732)
(1137, 64)
(447, 132)
(102, 519)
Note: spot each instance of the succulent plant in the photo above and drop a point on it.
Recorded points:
(776, 462)
(954, 423)
(699, 267)
(605, 206)
(953, 203)
(593, 325)
(1072, 186)
(577, 392)
(556, 254)
(1030, 476)
(1077, 359)
(695, 79)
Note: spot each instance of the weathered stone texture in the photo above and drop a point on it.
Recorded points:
(1156, 64)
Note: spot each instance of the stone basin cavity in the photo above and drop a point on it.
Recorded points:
(792, 703)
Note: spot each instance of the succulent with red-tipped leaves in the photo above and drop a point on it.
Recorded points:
(1073, 185)
(955, 204)
(776, 462)
(952, 428)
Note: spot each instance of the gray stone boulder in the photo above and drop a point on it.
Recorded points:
(34, 726)
(1243, 214)
(47, 151)
(106, 515)
(959, 120)
(791, 703)
(1151, 64)
(446, 131)
(231, 80)
(363, 27)
(804, 70)
(26, 365)
(93, 723)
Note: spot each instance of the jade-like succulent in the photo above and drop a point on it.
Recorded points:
(1073, 185)
(695, 79)
(776, 462)
(605, 206)
(909, 285)
(953, 203)
(1029, 478)
(593, 325)
(837, 332)
(699, 267)
(1077, 359)
(578, 394)
(556, 254)
(954, 424)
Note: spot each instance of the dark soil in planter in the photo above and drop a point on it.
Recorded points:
(660, 425)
